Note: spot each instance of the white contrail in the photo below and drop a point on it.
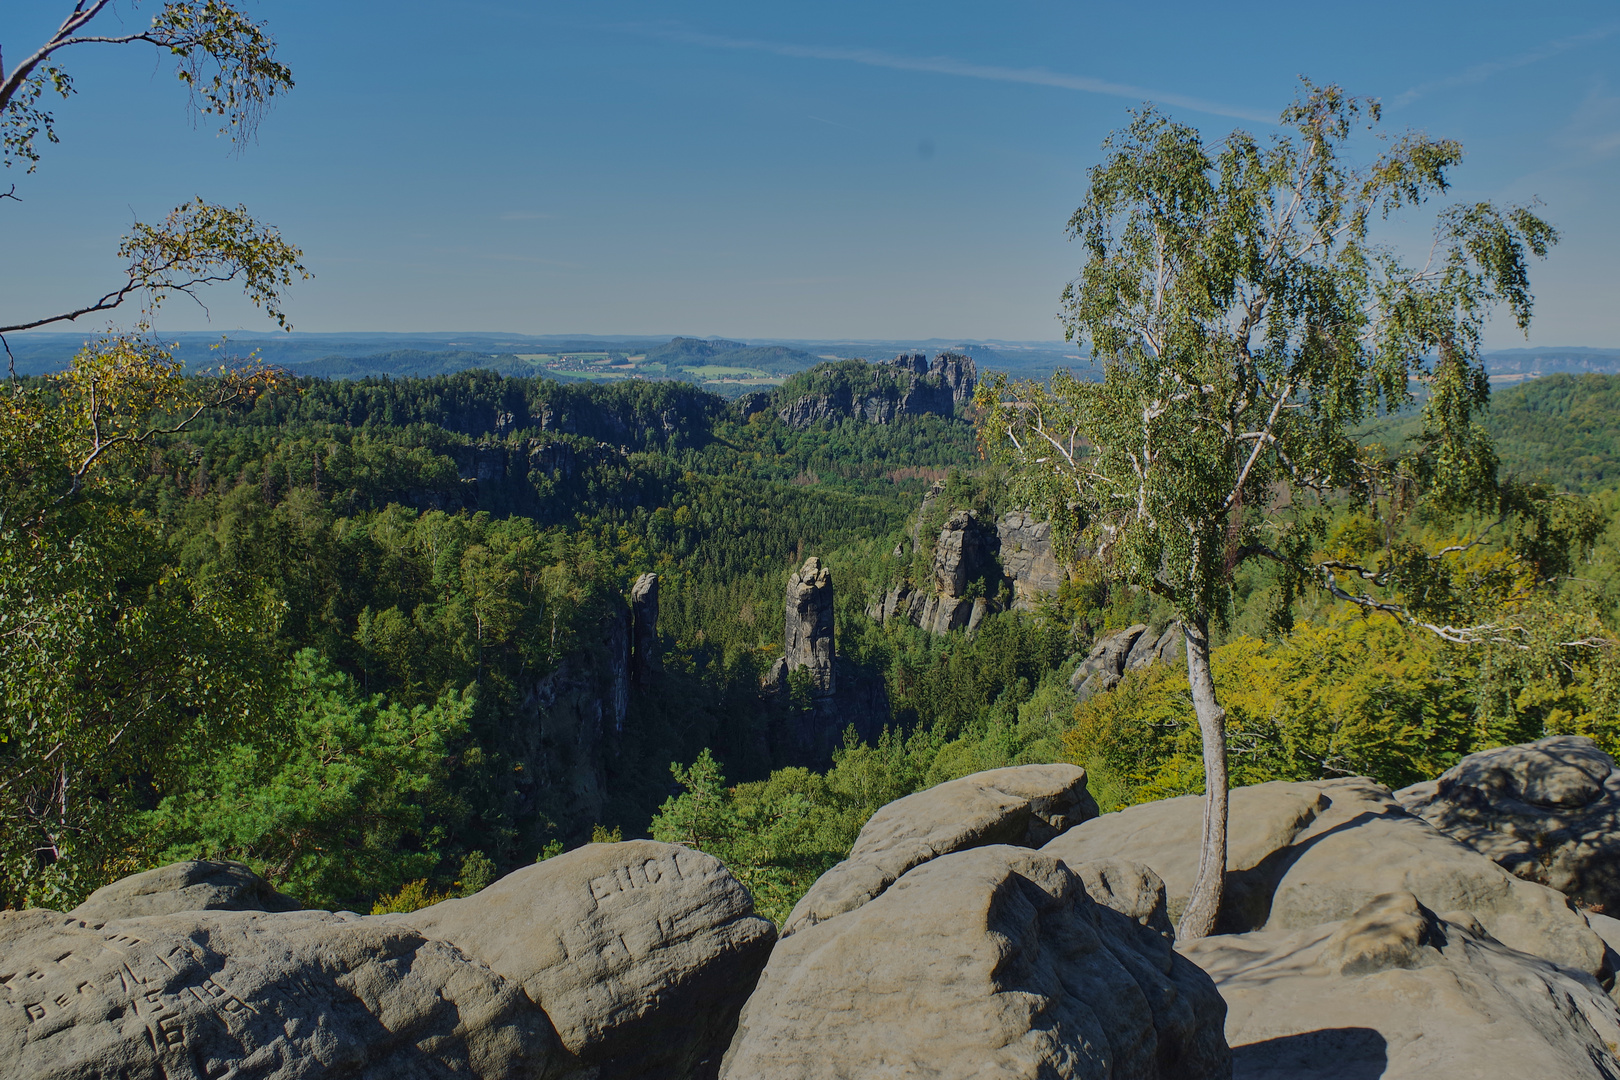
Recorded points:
(1480, 72)
(946, 65)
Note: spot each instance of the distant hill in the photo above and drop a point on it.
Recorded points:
(683, 352)
(402, 363)
(1562, 428)
(1552, 360)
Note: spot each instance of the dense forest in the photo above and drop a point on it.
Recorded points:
(374, 634)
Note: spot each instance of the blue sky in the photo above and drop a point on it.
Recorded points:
(827, 170)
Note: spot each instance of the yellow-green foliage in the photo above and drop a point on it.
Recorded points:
(1343, 696)
(412, 896)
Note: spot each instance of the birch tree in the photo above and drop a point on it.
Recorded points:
(1248, 320)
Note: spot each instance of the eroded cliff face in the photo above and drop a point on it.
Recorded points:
(1027, 558)
(808, 628)
(1016, 552)
(908, 385)
(841, 695)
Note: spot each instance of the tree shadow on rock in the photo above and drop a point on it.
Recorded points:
(1346, 1053)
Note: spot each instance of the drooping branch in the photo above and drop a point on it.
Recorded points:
(198, 244)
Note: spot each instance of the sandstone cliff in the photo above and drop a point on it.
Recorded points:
(877, 393)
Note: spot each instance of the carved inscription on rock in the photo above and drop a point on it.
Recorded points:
(223, 993)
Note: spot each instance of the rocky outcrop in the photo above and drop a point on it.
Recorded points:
(1547, 811)
(578, 711)
(612, 961)
(1303, 854)
(1017, 552)
(992, 961)
(251, 993)
(640, 953)
(881, 393)
(1027, 558)
(1396, 992)
(1025, 805)
(644, 629)
(964, 553)
(808, 631)
(184, 886)
(958, 373)
(1123, 650)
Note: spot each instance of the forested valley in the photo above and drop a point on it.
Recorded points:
(372, 637)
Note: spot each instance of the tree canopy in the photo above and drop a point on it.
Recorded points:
(1248, 320)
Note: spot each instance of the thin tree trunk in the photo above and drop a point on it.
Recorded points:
(1205, 902)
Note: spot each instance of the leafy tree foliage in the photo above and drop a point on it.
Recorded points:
(1248, 323)
(343, 803)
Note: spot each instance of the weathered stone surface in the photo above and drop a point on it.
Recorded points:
(1124, 650)
(1395, 992)
(1304, 854)
(1027, 558)
(644, 629)
(1103, 666)
(255, 994)
(184, 886)
(1547, 811)
(981, 963)
(1264, 820)
(905, 386)
(958, 373)
(808, 631)
(981, 608)
(962, 553)
(641, 953)
(1149, 650)
(1025, 805)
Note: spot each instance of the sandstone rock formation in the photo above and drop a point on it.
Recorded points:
(1027, 558)
(184, 886)
(1123, 650)
(808, 633)
(1304, 854)
(196, 994)
(1025, 805)
(1398, 993)
(1547, 811)
(880, 393)
(644, 629)
(640, 953)
(614, 960)
(992, 961)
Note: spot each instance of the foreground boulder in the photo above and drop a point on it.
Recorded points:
(1547, 811)
(1304, 854)
(1398, 993)
(248, 993)
(614, 960)
(198, 885)
(641, 953)
(992, 961)
(1025, 805)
